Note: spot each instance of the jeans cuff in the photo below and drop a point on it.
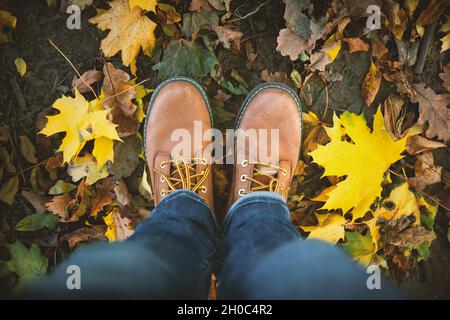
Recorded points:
(257, 196)
(187, 194)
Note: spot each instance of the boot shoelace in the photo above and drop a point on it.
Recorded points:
(183, 175)
(259, 175)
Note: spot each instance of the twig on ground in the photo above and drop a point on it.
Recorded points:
(250, 13)
(424, 48)
(123, 91)
(73, 67)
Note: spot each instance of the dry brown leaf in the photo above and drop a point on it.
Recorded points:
(426, 172)
(394, 113)
(356, 45)
(412, 237)
(278, 76)
(290, 44)
(100, 200)
(432, 12)
(122, 226)
(227, 35)
(83, 199)
(433, 108)
(87, 79)
(116, 84)
(200, 6)
(418, 144)
(123, 110)
(341, 27)
(58, 206)
(320, 59)
(54, 162)
(401, 80)
(397, 18)
(378, 48)
(84, 234)
(121, 192)
(371, 84)
(445, 76)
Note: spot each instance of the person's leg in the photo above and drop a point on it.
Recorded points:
(264, 258)
(167, 257)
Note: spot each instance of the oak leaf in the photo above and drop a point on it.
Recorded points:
(426, 172)
(118, 227)
(433, 108)
(58, 206)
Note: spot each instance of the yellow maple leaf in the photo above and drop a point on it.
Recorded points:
(81, 123)
(71, 119)
(329, 229)
(149, 5)
(131, 30)
(363, 161)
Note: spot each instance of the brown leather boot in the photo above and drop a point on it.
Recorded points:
(268, 106)
(178, 107)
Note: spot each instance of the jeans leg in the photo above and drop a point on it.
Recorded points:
(311, 269)
(264, 258)
(254, 226)
(169, 256)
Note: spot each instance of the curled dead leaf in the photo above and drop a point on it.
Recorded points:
(426, 172)
(371, 84)
(418, 144)
(87, 79)
(356, 45)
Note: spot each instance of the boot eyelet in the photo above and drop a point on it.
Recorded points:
(241, 192)
(162, 180)
(162, 165)
(204, 189)
(244, 163)
(162, 193)
(243, 177)
(284, 172)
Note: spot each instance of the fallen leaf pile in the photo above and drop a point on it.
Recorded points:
(373, 175)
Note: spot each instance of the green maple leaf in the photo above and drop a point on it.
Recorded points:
(186, 58)
(27, 264)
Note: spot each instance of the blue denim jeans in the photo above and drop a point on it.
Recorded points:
(256, 254)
